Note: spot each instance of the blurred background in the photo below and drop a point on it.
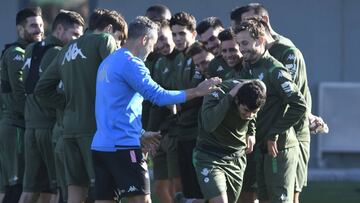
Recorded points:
(326, 31)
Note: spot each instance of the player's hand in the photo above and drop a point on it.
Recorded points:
(250, 142)
(150, 141)
(272, 148)
(208, 86)
(317, 125)
(235, 89)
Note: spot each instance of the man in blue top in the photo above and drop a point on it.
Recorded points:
(123, 82)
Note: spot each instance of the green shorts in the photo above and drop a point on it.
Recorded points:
(40, 172)
(11, 154)
(217, 175)
(58, 143)
(78, 161)
(166, 160)
(276, 176)
(302, 168)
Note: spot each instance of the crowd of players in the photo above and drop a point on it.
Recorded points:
(246, 141)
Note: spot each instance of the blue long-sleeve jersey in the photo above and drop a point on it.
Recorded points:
(122, 82)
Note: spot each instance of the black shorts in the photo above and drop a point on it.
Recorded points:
(190, 185)
(120, 174)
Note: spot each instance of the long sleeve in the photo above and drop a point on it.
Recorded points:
(15, 63)
(296, 107)
(214, 109)
(138, 77)
(46, 88)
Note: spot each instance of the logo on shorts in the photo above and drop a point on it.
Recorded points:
(205, 171)
(132, 156)
(206, 180)
(132, 189)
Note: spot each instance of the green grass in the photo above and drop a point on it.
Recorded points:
(331, 192)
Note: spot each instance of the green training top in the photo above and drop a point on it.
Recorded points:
(284, 106)
(76, 66)
(164, 72)
(187, 77)
(291, 57)
(36, 115)
(219, 68)
(220, 124)
(12, 87)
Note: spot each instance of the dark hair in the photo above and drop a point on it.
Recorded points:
(94, 17)
(226, 35)
(210, 22)
(116, 20)
(195, 48)
(158, 13)
(164, 23)
(141, 26)
(252, 94)
(255, 28)
(237, 13)
(184, 19)
(67, 19)
(23, 14)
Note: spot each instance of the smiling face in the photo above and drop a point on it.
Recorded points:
(202, 61)
(165, 44)
(230, 52)
(33, 29)
(210, 40)
(250, 48)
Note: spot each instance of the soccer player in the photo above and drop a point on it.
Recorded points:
(229, 64)
(76, 66)
(284, 107)
(165, 164)
(183, 29)
(122, 83)
(226, 133)
(208, 30)
(39, 155)
(30, 28)
(201, 58)
(285, 51)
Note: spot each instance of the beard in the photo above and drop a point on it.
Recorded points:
(32, 37)
(249, 56)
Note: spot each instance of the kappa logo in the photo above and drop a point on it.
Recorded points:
(280, 75)
(132, 189)
(261, 76)
(27, 64)
(18, 58)
(291, 57)
(72, 53)
(215, 94)
(205, 171)
(287, 87)
(220, 68)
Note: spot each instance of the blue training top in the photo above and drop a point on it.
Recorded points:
(122, 82)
